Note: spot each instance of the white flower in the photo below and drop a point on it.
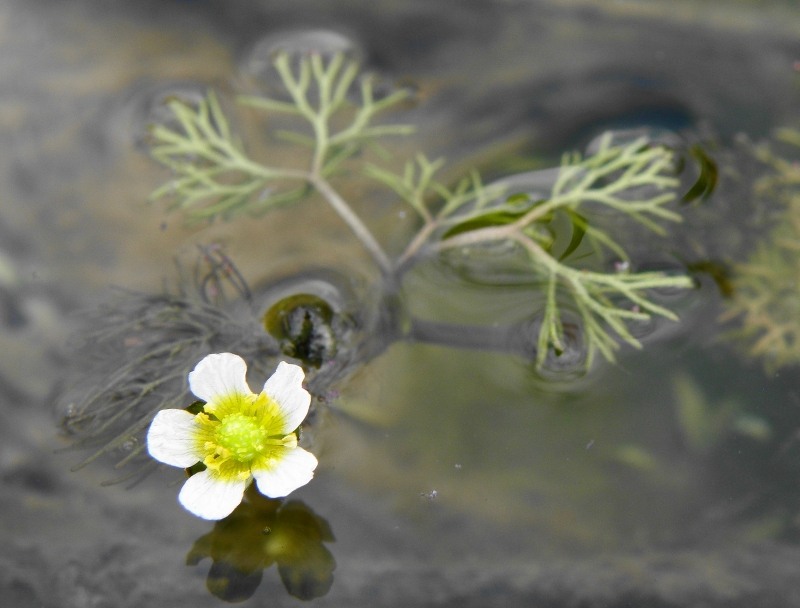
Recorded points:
(238, 436)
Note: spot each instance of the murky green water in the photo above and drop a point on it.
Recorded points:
(448, 476)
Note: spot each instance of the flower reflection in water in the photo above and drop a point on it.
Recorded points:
(260, 532)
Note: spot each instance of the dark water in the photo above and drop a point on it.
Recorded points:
(447, 477)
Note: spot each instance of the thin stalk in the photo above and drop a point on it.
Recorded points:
(353, 221)
(415, 245)
(475, 237)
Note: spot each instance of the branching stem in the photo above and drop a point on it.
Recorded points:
(214, 177)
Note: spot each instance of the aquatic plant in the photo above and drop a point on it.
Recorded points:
(704, 423)
(142, 347)
(766, 291)
(589, 294)
(236, 436)
(214, 178)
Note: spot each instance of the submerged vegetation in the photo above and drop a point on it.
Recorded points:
(143, 346)
(766, 288)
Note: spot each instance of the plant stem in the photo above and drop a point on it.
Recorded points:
(416, 244)
(353, 221)
(475, 237)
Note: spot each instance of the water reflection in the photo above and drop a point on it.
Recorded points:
(262, 532)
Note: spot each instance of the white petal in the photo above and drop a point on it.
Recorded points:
(210, 497)
(218, 376)
(285, 387)
(294, 469)
(170, 438)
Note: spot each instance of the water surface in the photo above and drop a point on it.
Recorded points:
(447, 477)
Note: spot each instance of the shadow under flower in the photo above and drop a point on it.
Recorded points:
(262, 532)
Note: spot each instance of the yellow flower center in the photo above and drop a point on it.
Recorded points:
(239, 432)
(242, 436)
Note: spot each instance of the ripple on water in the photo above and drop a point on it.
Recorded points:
(147, 105)
(565, 366)
(256, 62)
